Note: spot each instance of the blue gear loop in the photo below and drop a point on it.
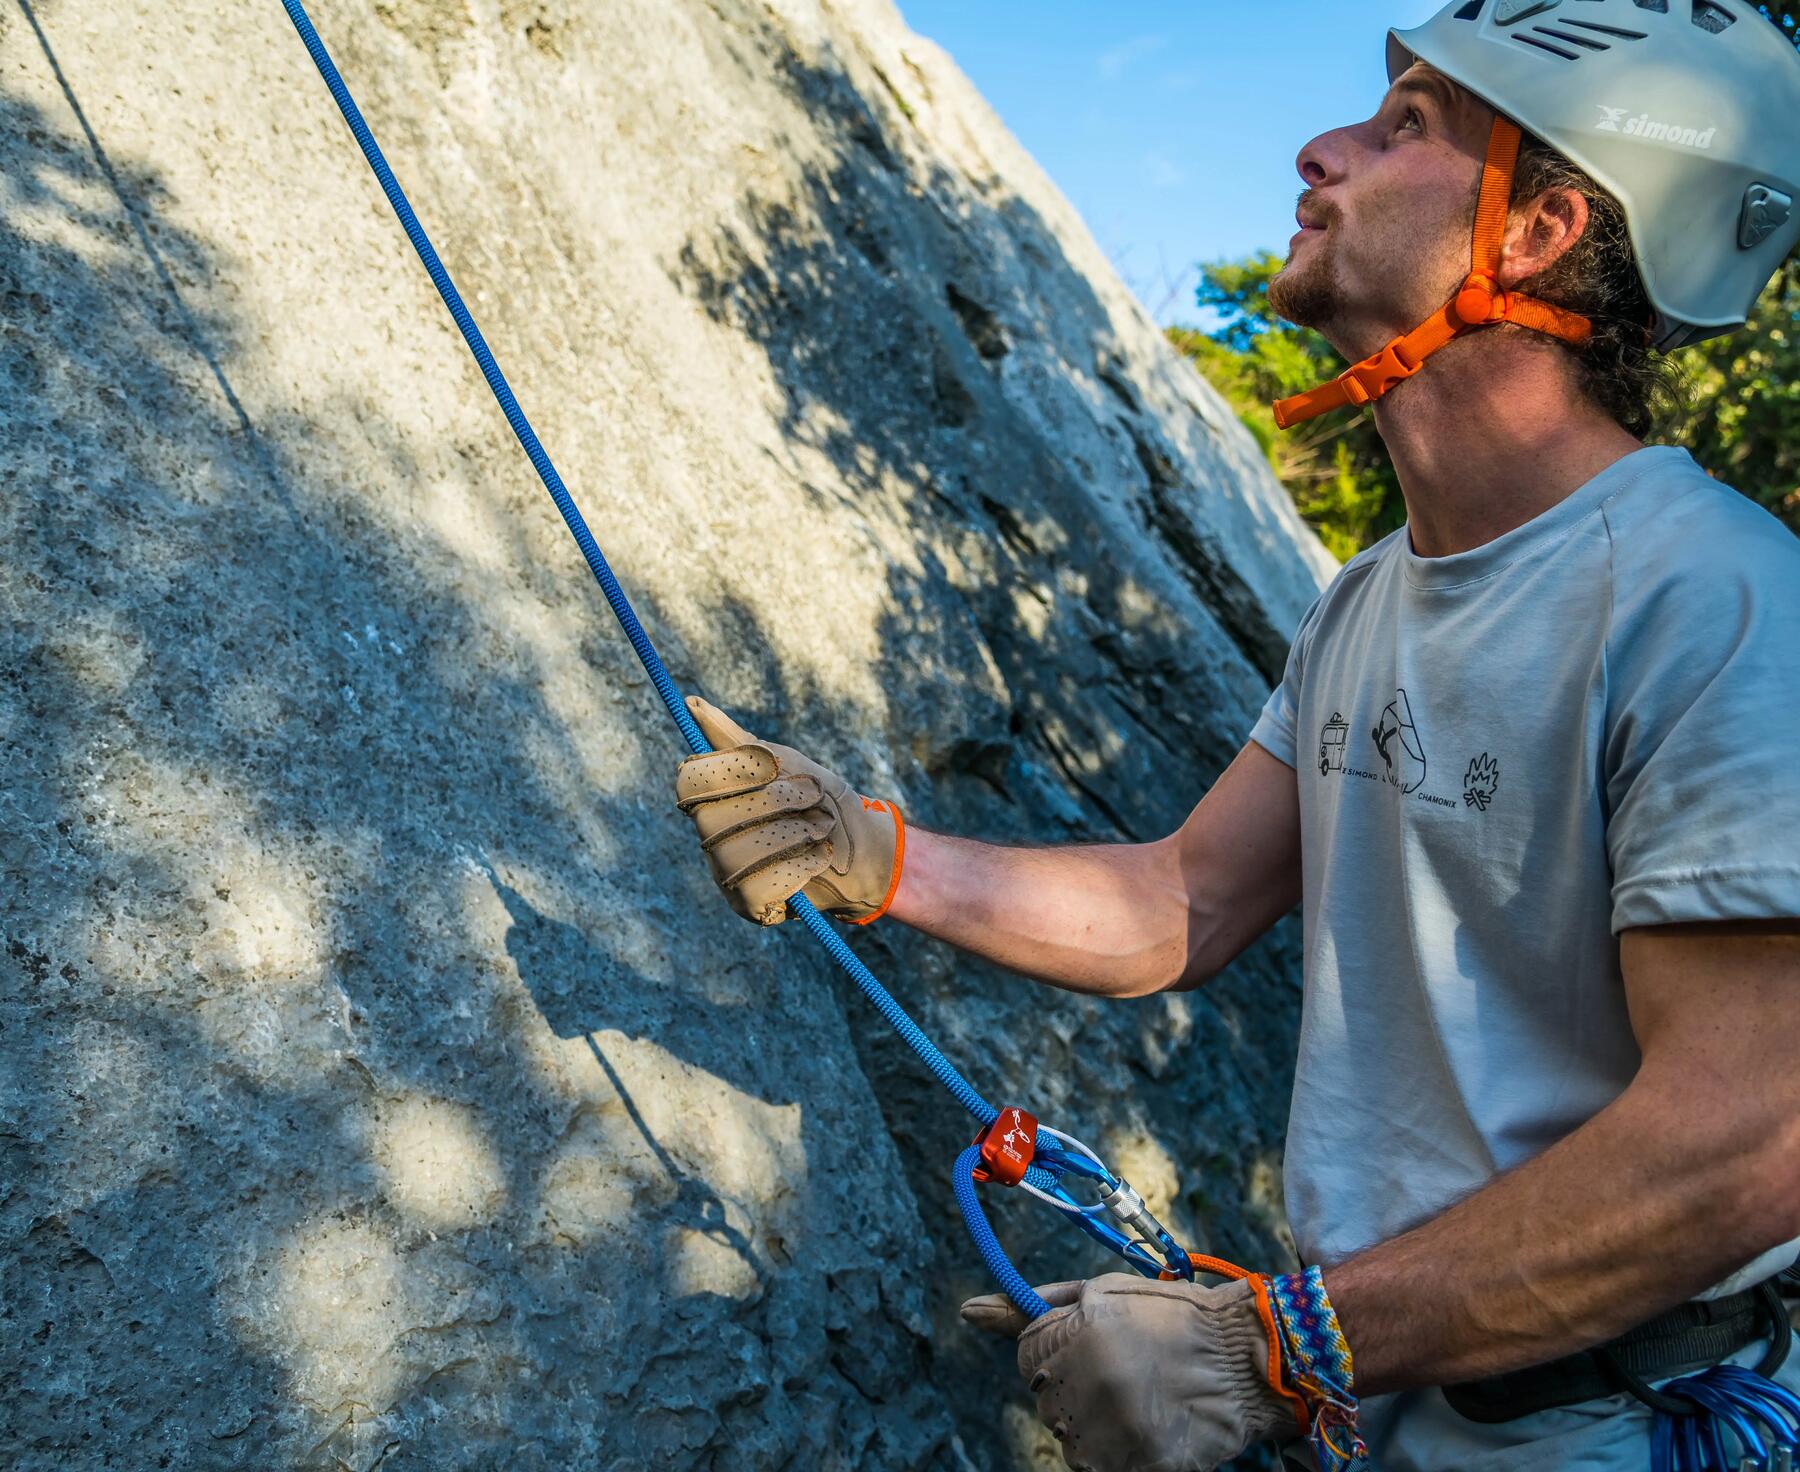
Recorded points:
(1047, 1174)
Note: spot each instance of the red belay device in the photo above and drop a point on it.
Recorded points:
(1013, 1149)
(1007, 1146)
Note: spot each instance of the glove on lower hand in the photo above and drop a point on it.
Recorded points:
(772, 821)
(1138, 1376)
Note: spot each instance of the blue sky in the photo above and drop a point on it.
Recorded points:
(1172, 126)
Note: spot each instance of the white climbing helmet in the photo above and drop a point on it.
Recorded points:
(1686, 111)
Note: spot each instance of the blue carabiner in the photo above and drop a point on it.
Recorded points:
(1706, 1393)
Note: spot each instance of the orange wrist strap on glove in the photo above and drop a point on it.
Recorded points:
(1129, 1374)
(1479, 302)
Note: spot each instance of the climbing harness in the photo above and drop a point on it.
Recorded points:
(1012, 1148)
(1479, 302)
(1695, 1414)
(1700, 1416)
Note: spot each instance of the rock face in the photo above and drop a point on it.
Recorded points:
(381, 1080)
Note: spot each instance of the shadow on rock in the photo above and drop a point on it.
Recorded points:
(321, 1147)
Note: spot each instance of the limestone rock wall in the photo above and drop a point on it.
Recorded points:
(381, 1080)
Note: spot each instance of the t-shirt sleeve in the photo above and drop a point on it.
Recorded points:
(1702, 741)
(1274, 728)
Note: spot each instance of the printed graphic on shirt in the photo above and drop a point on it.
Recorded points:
(1406, 765)
(1331, 744)
(1481, 781)
(1396, 740)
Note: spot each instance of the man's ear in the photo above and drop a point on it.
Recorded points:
(1541, 232)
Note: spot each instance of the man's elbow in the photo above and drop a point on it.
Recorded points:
(1203, 957)
(1169, 966)
(1158, 978)
(1203, 919)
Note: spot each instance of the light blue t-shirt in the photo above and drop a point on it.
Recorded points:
(1505, 757)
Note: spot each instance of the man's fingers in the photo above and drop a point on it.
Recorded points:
(1061, 1295)
(717, 817)
(764, 894)
(725, 773)
(775, 845)
(996, 1313)
(717, 727)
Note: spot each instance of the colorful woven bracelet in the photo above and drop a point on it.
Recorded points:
(1318, 1364)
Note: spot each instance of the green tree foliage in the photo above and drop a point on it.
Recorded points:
(1739, 415)
(1741, 418)
(1334, 467)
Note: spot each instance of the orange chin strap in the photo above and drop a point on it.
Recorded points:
(1479, 302)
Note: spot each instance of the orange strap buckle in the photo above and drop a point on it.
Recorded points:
(1008, 1146)
(1373, 377)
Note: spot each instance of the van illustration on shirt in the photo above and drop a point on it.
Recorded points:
(1331, 744)
(1406, 763)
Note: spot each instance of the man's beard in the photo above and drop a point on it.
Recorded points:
(1309, 295)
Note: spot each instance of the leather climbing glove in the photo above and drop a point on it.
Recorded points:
(1132, 1375)
(772, 821)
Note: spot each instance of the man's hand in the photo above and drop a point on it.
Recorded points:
(1137, 1376)
(772, 821)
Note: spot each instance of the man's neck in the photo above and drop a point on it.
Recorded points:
(1491, 433)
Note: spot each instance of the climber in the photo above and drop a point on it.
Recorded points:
(1543, 1146)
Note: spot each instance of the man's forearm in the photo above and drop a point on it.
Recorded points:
(1106, 919)
(1659, 1196)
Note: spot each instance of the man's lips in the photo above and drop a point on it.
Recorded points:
(1302, 219)
(1313, 213)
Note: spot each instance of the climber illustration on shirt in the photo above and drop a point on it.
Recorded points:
(1405, 767)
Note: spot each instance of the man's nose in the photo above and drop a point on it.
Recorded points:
(1321, 162)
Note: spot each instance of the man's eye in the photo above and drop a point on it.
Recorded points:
(1412, 116)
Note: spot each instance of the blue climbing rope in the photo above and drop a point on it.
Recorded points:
(910, 1033)
(1011, 1281)
(1046, 1174)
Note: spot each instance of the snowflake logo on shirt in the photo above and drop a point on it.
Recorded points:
(1481, 782)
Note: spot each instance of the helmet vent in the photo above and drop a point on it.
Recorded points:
(1554, 50)
(1573, 40)
(1619, 31)
(1661, 7)
(1471, 11)
(1711, 17)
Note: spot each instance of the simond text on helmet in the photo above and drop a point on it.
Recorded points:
(1615, 120)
